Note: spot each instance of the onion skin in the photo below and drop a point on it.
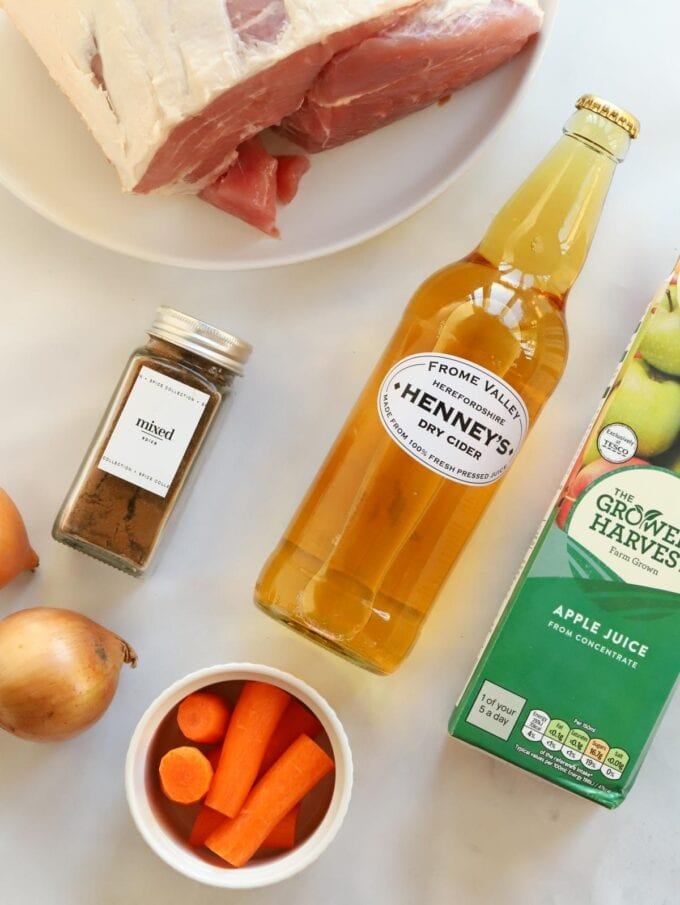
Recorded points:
(58, 672)
(16, 553)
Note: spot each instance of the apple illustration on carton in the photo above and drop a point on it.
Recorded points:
(583, 479)
(649, 403)
(660, 345)
(669, 460)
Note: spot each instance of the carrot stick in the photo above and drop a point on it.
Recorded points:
(205, 823)
(185, 775)
(257, 711)
(203, 717)
(282, 837)
(297, 771)
(296, 721)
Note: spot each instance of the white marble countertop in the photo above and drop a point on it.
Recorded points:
(430, 821)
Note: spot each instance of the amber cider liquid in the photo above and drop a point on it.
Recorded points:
(367, 552)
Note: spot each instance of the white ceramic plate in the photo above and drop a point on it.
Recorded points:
(48, 159)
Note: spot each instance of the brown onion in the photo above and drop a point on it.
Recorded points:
(16, 553)
(58, 672)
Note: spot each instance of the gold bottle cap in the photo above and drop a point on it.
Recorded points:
(611, 112)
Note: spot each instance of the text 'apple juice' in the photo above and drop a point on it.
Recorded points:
(481, 347)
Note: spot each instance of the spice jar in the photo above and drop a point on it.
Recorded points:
(148, 440)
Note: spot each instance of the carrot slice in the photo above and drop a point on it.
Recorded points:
(297, 771)
(282, 837)
(203, 717)
(185, 775)
(205, 823)
(296, 721)
(258, 710)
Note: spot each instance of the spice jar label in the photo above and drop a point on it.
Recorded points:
(153, 431)
(453, 416)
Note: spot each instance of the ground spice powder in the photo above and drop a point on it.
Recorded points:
(148, 440)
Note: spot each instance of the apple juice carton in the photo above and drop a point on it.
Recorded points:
(585, 652)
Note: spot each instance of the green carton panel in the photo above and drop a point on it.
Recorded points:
(585, 654)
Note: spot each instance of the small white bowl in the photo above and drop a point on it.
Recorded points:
(180, 855)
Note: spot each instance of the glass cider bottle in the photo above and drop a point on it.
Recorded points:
(482, 345)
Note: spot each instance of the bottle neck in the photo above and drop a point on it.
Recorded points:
(540, 239)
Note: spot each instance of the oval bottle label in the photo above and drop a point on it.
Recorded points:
(453, 416)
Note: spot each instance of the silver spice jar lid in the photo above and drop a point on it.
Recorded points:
(197, 336)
